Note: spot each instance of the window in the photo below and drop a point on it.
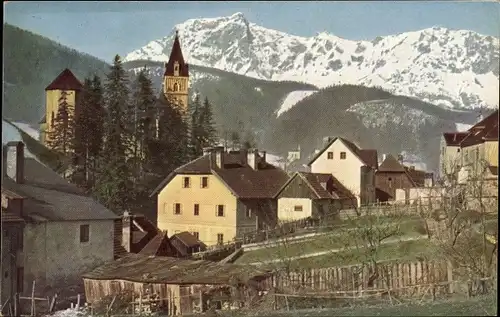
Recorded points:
(84, 233)
(204, 182)
(20, 279)
(176, 87)
(342, 155)
(196, 235)
(249, 212)
(390, 182)
(220, 238)
(196, 209)
(458, 150)
(330, 155)
(297, 208)
(186, 182)
(220, 210)
(177, 209)
(52, 119)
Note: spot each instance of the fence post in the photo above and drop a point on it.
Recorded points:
(449, 267)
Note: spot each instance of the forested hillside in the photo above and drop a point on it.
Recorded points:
(240, 103)
(371, 117)
(31, 63)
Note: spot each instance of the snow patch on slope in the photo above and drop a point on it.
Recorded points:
(379, 112)
(292, 99)
(462, 127)
(275, 160)
(458, 68)
(32, 132)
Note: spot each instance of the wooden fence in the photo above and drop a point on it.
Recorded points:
(405, 278)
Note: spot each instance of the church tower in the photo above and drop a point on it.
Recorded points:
(68, 83)
(176, 78)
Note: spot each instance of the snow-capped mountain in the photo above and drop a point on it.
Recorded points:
(451, 68)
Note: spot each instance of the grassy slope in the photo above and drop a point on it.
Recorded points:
(477, 306)
(31, 63)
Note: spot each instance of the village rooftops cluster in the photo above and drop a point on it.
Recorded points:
(484, 130)
(246, 173)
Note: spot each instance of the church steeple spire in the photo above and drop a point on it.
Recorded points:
(176, 77)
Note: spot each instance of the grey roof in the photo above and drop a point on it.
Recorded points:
(49, 196)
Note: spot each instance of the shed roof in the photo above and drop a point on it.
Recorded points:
(187, 239)
(167, 270)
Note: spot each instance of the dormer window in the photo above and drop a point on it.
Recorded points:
(176, 69)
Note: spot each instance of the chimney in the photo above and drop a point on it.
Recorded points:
(207, 150)
(5, 153)
(217, 157)
(263, 156)
(20, 163)
(127, 231)
(244, 156)
(253, 158)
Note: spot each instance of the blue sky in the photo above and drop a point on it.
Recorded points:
(104, 29)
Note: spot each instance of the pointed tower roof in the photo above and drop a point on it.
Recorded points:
(65, 81)
(176, 56)
(391, 164)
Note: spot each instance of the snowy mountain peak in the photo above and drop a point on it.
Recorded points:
(451, 68)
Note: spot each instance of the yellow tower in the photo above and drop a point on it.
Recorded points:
(176, 78)
(66, 81)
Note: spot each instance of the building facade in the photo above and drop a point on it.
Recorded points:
(220, 196)
(350, 165)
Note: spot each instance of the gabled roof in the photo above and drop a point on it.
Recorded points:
(323, 185)
(486, 129)
(237, 175)
(368, 157)
(51, 197)
(66, 80)
(159, 246)
(391, 164)
(176, 56)
(454, 138)
(486, 122)
(187, 239)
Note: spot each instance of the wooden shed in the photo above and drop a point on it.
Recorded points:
(178, 286)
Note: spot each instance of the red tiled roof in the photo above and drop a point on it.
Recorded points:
(368, 157)
(176, 56)
(65, 81)
(492, 134)
(490, 120)
(454, 138)
(486, 129)
(244, 181)
(315, 181)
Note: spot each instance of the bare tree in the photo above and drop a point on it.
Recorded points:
(465, 223)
